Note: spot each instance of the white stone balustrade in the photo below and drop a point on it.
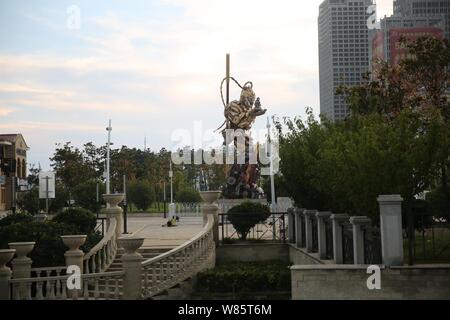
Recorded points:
(391, 229)
(338, 246)
(321, 233)
(358, 225)
(309, 215)
(291, 225)
(5, 273)
(210, 207)
(132, 266)
(21, 264)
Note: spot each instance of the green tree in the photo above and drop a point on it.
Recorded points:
(188, 195)
(141, 194)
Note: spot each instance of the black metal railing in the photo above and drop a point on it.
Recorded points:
(329, 238)
(347, 243)
(315, 235)
(427, 237)
(372, 246)
(271, 229)
(101, 222)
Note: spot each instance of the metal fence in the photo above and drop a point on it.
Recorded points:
(271, 229)
(427, 238)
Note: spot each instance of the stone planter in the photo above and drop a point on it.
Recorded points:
(5, 256)
(22, 249)
(113, 200)
(210, 197)
(74, 242)
(130, 245)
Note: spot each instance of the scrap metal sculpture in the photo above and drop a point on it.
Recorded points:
(240, 115)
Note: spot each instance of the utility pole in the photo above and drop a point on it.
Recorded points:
(108, 156)
(171, 205)
(125, 206)
(46, 193)
(165, 199)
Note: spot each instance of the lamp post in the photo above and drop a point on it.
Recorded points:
(272, 182)
(108, 156)
(171, 205)
(125, 206)
(165, 200)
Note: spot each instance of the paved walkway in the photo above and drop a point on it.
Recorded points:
(151, 228)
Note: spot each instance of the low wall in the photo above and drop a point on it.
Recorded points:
(331, 282)
(298, 256)
(249, 252)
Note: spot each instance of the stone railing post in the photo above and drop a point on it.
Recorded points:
(5, 273)
(358, 224)
(74, 257)
(114, 211)
(391, 229)
(338, 246)
(298, 227)
(21, 264)
(210, 206)
(132, 266)
(321, 233)
(291, 225)
(309, 215)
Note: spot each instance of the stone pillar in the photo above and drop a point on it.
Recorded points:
(309, 215)
(291, 225)
(210, 207)
(5, 273)
(338, 249)
(391, 229)
(321, 233)
(21, 265)
(113, 211)
(358, 224)
(132, 266)
(298, 228)
(74, 256)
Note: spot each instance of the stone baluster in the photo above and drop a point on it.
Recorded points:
(21, 265)
(298, 228)
(131, 262)
(321, 233)
(210, 207)
(391, 229)
(74, 256)
(358, 224)
(5, 273)
(338, 246)
(309, 215)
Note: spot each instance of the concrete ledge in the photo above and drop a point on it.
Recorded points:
(248, 252)
(332, 267)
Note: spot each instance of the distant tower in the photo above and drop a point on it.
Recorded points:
(343, 51)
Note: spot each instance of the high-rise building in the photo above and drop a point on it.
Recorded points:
(343, 51)
(385, 42)
(422, 8)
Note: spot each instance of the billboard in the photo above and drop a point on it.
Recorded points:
(46, 185)
(397, 50)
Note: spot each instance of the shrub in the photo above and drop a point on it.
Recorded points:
(84, 221)
(245, 216)
(141, 194)
(188, 196)
(49, 249)
(242, 278)
(16, 218)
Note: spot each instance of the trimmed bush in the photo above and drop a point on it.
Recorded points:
(242, 278)
(84, 221)
(245, 216)
(16, 218)
(29, 201)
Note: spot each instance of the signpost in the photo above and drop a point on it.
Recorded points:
(46, 187)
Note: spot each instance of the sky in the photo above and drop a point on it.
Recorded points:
(152, 67)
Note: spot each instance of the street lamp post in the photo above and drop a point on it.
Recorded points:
(272, 182)
(108, 156)
(125, 206)
(171, 205)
